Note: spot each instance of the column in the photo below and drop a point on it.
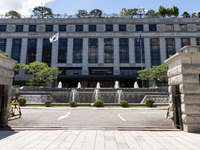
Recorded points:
(100, 50)
(178, 44)
(85, 57)
(9, 46)
(147, 53)
(70, 51)
(39, 49)
(131, 50)
(146, 27)
(54, 54)
(176, 27)
(115, 27)
(23, 53)
(162, 50)
(85, 27)
(26, 28)
(193, 41)
(116, 56)
(55, 28)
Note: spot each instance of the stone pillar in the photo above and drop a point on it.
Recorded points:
(131, 51)
(70, 51)
(23, 50)
(85, 57)
(100, 50)
(9, 46)
(183, 73)
(85, 27)
(26, 28)
(147, 53)
(54, 55)
(115, 27)
(162, 50)
(176, 27)
(55, 28)
(116, 56)
(39, 49)
(178, 44)
(146, 27)
(193, 41)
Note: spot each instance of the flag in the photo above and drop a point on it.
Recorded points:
(54, 38)
(139, 39)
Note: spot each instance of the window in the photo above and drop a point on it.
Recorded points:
(169, 27)
(152, 28)
(108, 50)
(183, 27)
(2, 28)
(123, 51)
(129, 71)
(185, 41)
(49, 28)
(198, 43)
(75, 71)
(16, 50)
(62, 51)
(138, 51)
(46, 52)
(78, 51)
(92, 27)
(155, 51)
(170, 47)
(32, 28)
(3, 45)
(31, 51)
(62, 27)
(198, 27)
(79, 28)
(139, 27)
(122, 27)
(109, 27)
(19, 28)
(93, 51)
(101, 71)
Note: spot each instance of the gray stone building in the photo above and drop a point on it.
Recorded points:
(102, 49)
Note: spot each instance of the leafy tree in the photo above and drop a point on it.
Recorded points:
(124, 13)
(186, 15)
(198, 15)
(150, 13)
(175, 11)
(162, 11)
(43, 12)
(82, 14)
(3, 53)
(169, 12)
(132, 12)
(194, 15)
(13, 14)
(96, 13)
(18, 67)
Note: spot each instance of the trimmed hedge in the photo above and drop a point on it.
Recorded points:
(22, 101)
(98, 103)
(160, 84)
(72, 104)
(149, 102)
(47, 103)
(35, 84)
(124, 103)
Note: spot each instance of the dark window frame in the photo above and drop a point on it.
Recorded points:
(152, 27)
(155, 51)
(183, 27)
(62, 28)
(3, 28)
(17, 54)
(169, 27)
(108, 44)
(47, 52)
(139, 27)
(3, 45)
(31, 51)
(138, 52)
(19, 28)
(122, 27)
(79, 28)
(78, 50)
(170, 47)
(92, 28)
(124, 45)
(109, 28)
(93, 50)
(62, 50)
(32, 28)
(49, 28)
(185, 41)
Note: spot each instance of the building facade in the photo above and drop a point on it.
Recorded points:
(102, 49)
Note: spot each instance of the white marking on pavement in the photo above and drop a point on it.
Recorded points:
(121, 117)
(65, 116)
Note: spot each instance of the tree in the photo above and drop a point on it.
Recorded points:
(150, 13)
(18, 67)
(194, 15)
(124, 13)
(186, 15)
(175, 11)
(162, 11)
(43, 12)
(198, 15)
(13, 14)
(82, 14)
(96, 13)
(3, 53)
(132, 12)
(169, 12)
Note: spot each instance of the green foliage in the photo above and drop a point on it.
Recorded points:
(98, 103)
(175, 11)
(150, 14)
(13, 14)
(35, 84)
(162, 11)
(96, 13)
(18, 67)
(82, 14)
(3, 53)
(149, 102)
(160, 84)
(194, 15)
(198, 15)
(126, 13)
(20, 83)
(169, 12)
(43, 12)
(15, 85)
(186, 15)
(124, 103)
(22, 101)
(72, 104)
(47, 103)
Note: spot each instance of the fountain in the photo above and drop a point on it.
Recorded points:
(60, 84)
(79, 86)
(74, 96)
(98, 85)
(96, 95)
(119, 96)
(136, 85)
(116, 85)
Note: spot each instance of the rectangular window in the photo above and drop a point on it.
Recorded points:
(46, 52)
(183, 27)
(92, 27)
(152, 28)
(139, 27)
(93, 51)
(16, 50)
(169, 27)
(79, 28)
(100, 71)
(138, 51)
(31, 51)
(155, 51)
(109, 27)
(185, 41)
(19, 28)
(170, 47)
(2, 28)
(75, 71)
(3, 45)
(129, 71)
(49, 28)
(62, 27)
(198, 41)
(32, 28)
(108, 50)
(198, 27)
(122, 27)
(123, 51)
(62, 51)
(78, 51)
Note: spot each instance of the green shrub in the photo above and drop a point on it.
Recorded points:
(72, 104)
(98, 103)
(20, 82)
(35, 84)
(160, 84)
(47, 103)
(3, 53)
(149, 102)
(22, 101)
(124, 103)
(15, 85)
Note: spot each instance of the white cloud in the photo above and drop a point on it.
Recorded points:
(24, 7)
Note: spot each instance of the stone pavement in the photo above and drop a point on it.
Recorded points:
(97, 140)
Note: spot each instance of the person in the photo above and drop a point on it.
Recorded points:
(168, 110)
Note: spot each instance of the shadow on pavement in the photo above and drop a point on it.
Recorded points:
(6, 132)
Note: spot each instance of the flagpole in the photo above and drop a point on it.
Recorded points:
(141, 56)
